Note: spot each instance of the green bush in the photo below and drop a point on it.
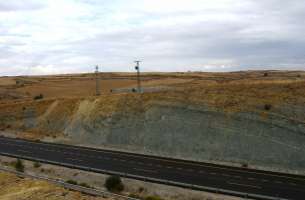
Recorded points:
(36, 165)
(84, 185)
(114, 184)
(40, 96)
(268, 106)
(71, 182)
(141, 189)
(245, 165)
(134, 196)
(19, 166)
(153, 198)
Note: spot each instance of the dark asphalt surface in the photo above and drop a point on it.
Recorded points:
(202, 174)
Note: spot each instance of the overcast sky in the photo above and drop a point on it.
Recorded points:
(68, 36)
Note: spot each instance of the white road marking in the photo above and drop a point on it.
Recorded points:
(145, 170)
(24, 151)
(278, 182)
(74, 159)
(252, 186)
(139, 156)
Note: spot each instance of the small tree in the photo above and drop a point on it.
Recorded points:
(40, 96)
(36, 165)
(114, 184)
(245, 165)
(268, 106)
(19, 166)
(84, 185)
(72, 182)
(153, 198)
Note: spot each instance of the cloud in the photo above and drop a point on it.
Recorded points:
(168, 35)
(17, 5)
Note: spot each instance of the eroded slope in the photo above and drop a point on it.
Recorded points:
(231, 118)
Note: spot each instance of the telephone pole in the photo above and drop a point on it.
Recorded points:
(137, 67)
(97, 81)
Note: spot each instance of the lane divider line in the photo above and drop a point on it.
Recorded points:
(154, 180)
(244, 185)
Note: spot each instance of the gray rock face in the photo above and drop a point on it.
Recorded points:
(201, 134)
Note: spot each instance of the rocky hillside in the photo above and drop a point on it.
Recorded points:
(253, 118)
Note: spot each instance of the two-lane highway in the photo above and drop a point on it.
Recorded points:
(187, 172)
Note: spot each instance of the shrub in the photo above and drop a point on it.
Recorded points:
(36, 165)
(245, 165)
(268, 106)
(71, 182)
(141, 189)
(19, 166)
(40, 96)
(266, 74)
(153, 198)
(134, 196)
(114, 184)
(84, 185)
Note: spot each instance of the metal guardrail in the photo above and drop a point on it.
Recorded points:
(153, 180)
(85, 190)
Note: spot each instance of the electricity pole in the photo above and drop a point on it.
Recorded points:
(138, 76)
(97, 81)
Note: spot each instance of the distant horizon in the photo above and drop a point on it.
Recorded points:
(161, 72)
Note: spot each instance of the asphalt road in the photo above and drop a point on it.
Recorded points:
(202, 174)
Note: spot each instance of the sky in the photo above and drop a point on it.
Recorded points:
(72, 36)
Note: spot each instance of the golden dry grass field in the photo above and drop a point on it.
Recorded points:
(14, 187)
(235, 90)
